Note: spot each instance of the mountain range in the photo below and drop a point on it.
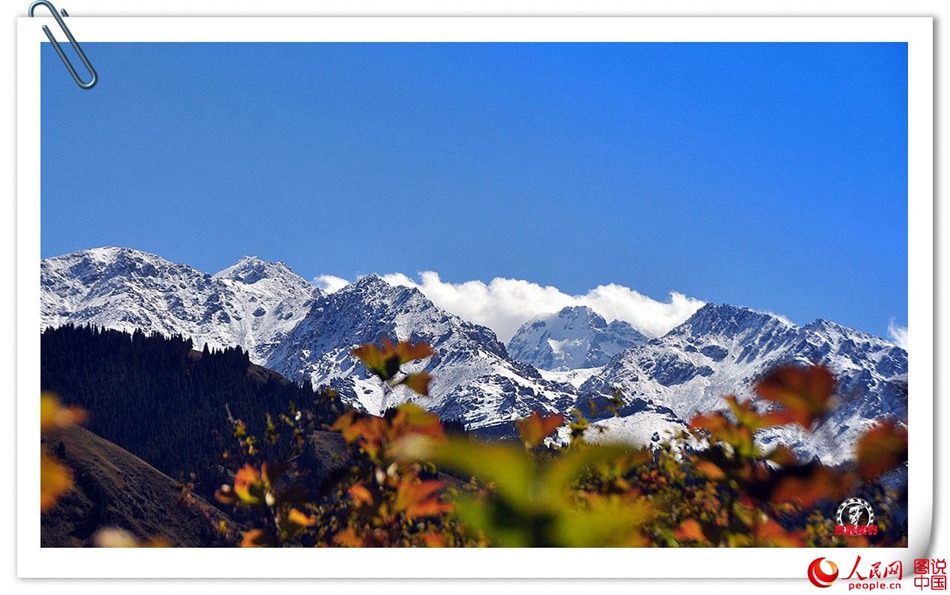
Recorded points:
(554, 363)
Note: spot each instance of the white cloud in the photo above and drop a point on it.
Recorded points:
(616, 302)
(897, 333)
(329, 283)
(503, 305)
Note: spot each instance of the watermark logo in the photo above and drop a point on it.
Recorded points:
(855, 517)
(818, 576)
(871, 576)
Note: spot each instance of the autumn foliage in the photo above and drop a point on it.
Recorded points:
(55, 477)
(410, 484)
(406, 482)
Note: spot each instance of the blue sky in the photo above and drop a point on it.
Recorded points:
(767, 175)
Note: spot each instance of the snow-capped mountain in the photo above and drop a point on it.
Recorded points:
(270, 300)
(474, 380)
(290, 326)
(249, 304)
(576, 337)
(724, 349)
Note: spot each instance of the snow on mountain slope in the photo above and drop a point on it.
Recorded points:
(575, 377)
(575, 337)
(289, 326)
(474, 381)
(270, 301)
(723, 349)
(646, 428)
(249, 304)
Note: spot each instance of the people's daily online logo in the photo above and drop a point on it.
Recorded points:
(819, 576)
(866, 576)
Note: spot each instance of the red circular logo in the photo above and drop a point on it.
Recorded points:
(819, 577)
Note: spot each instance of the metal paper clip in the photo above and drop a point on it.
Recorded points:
(72, 40)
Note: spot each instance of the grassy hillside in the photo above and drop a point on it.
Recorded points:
(116, 489)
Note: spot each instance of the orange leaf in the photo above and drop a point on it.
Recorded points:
(55, 480)
(689, 530)
(710, 470)
(408, 351)
(782, 456)
(360, 495)
(804, 393)
(254, 538)
(385, 360)
(745, 414)
(807, 485)
(434, 540)
(418, 382)
(54, 415)
(881, 449)
(348, 538)
(344, 421)
(771, 533)
(369, 431)
(535, 429)
(248, 485)
(298, 518)
(714, 423)
(412, 419)
(420, 498)
(722, 429)
(399, 431)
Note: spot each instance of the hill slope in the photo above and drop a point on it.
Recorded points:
(116, 489)
(164, 402)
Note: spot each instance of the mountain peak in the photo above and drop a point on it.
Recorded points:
(373, 284)
(574, 337)
(372, 280)
(107, 255)
(369, 284)
(580, 314)
(101, 266)
(113, 252)
(729, 320)
(251, 269)
(822, 324)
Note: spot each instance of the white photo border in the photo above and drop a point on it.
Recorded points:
(34, 561)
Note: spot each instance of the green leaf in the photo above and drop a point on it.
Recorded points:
(509, 469)
(607, 521)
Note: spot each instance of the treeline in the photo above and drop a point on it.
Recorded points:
(165, 402)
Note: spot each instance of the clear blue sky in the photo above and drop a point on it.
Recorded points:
(767, 175)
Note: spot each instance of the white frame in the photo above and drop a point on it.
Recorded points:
(34, 561)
